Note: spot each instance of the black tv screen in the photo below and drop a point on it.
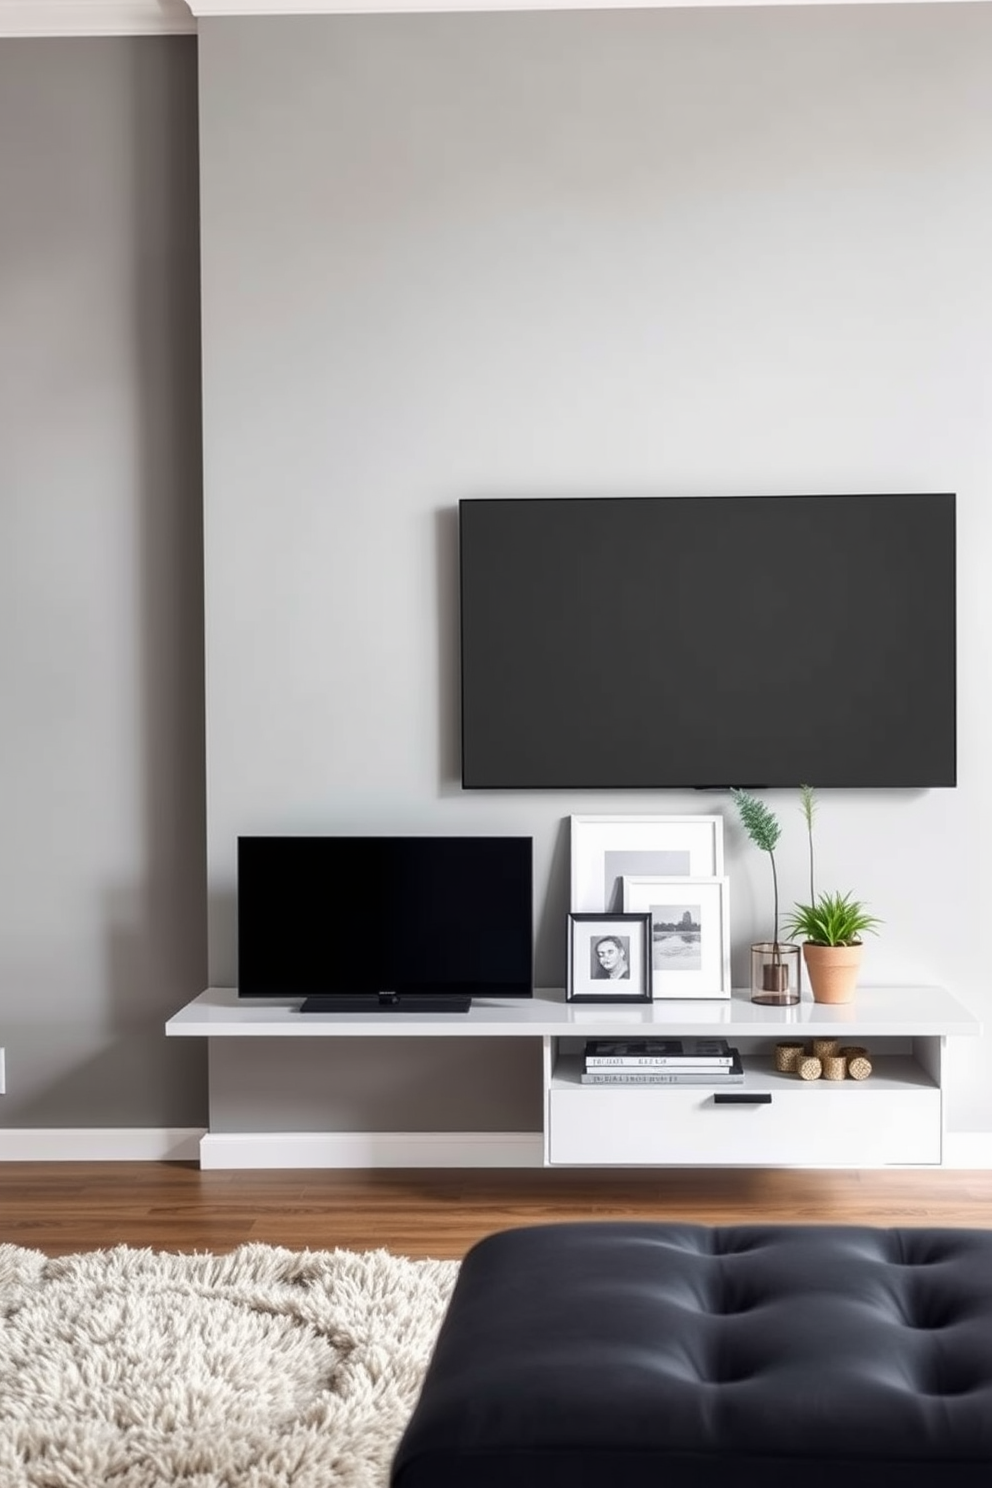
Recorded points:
(708, 641)
(410, 916)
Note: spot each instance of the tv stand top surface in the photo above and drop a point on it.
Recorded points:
(881, 1012)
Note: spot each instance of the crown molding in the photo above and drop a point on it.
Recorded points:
(179, 17)
(96, 18)
(213, 8)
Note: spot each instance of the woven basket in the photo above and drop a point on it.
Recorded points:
(787, 1056)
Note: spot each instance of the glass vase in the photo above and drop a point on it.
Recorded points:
(775, 968)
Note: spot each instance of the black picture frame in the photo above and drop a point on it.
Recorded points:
(591, 976)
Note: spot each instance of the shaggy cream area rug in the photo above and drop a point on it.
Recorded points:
(266, 1368)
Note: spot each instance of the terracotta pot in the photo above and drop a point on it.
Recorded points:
(832, 970)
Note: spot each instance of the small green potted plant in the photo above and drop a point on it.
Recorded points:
(774, 964)
(830, 926)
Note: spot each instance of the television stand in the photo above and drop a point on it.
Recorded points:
(388, 1002)
(502, 1086)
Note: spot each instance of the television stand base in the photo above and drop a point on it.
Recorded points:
(372, 1002)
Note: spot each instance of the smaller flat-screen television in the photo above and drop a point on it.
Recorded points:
(684, 641)
(385, 924)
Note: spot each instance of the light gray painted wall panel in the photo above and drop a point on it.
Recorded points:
(381, 1084)
(102, 861)
(712, 251)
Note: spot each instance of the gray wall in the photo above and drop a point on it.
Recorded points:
(713, 251)
(102, 852)
(675, 251)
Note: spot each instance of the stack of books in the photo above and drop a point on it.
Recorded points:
(654, 1061)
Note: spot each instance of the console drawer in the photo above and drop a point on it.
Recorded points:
(893, 1117)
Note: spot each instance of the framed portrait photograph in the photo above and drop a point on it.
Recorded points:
(609, 958)
(690, 933)
(605, 849)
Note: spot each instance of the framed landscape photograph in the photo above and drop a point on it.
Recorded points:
(606, 848)
(690, 933)
(609, 958)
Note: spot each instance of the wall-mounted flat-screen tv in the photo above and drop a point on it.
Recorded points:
(708, 641)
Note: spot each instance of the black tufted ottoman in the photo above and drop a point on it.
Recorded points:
(677, 1356)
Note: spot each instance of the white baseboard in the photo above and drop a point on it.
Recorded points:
(372, 1150)
(101, 1144)
(967, 1150)
(962, 1150)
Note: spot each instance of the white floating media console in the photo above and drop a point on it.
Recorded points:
(258, 1117)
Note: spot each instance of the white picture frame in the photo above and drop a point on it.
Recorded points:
(605, 848)
(685, 963)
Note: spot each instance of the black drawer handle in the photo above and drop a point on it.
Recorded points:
(733, 1098)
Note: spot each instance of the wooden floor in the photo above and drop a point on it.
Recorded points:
(60, 1208)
